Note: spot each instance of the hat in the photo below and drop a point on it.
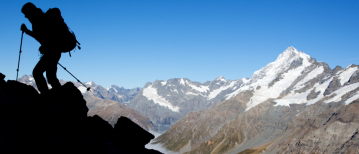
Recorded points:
(28, 7)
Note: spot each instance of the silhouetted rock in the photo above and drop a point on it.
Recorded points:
(57, 122)
(138, 140)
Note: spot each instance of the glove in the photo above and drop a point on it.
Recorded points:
(24, 28)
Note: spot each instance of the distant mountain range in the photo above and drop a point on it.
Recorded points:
(114, 92)
(293, 105)
(166, 102)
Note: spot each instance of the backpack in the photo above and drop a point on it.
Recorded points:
(65, 38)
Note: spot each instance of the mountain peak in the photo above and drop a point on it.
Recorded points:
(291, 49)
(288, 53)
(221, 78)
(283, 62)
(291, 53)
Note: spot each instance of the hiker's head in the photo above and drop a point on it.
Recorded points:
(30, 11)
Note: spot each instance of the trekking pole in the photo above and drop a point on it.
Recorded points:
(75, 77)
(18, 64)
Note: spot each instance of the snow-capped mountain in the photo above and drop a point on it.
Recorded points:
(293, 105)
(165, 102)
(112, 93)
(125, 94)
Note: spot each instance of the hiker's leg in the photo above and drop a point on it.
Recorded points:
(38, 72)
(52, 69)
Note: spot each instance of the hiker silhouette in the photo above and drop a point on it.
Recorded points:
(53, 34)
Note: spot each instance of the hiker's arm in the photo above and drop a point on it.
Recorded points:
(27, 31)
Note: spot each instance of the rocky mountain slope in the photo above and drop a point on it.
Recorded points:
(166, 102)
(108, 109)
(293, 105)
(112, 110)
(33, 123)
(114, 92)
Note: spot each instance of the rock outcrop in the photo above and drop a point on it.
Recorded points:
(57, 122)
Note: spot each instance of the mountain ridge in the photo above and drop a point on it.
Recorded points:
(295, 87)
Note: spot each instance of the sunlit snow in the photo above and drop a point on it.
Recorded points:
(271, 71)
(345, 75)
(342, 91)
(353, 98)
(214, 93)
(163, 83)
(114, 89)
(221, 78)
(151, 94)
(200, 89)
(82, 89)
(90, 83)
(314, 73)
(182, 82)
(31, 79)
(320, 88)
(190, 93)
(296, 98)
(245, 80)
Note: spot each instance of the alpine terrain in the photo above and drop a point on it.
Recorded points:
(166, 102)
(293, 105)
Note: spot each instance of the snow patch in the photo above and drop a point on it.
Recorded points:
(353, 98)
(203, 89)
(82, 89)
(214, 93)
(90, 83)
(163, 83)
(320, 88)
(31, 79)
(151, 94)
(182, 82)
(230, 95)
(245, 80)
(293, 99)
(342, 91)
(114, 89)
(190, 93)
(314, 73)
(345, 75)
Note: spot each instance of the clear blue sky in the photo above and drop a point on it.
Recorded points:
(131, 42)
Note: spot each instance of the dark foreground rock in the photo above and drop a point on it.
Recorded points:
(58, 123)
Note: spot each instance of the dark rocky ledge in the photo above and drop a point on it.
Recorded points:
(57, 122)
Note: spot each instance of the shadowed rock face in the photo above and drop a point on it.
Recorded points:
(57, 122)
